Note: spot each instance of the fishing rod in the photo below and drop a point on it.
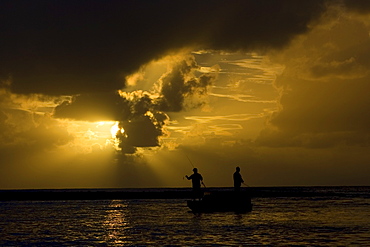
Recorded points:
(190, 161)
(204, 184)
(245, 184)
(193, 168)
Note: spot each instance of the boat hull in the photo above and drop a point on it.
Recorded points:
(221, 202)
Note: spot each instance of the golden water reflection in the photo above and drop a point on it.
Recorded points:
(116, 224)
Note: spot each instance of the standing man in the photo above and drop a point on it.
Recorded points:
(238, 180)
(196, 180)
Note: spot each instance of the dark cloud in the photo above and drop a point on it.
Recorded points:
(139, 113)
(135, 112)
(324, 100)
(94, 107)
(180, 83)
(140, 131)
(325, 107)
(360, 6)
(73, 47)
(321, 118)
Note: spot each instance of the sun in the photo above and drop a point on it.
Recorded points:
(110, 126)
(115, 129)
(89, 134)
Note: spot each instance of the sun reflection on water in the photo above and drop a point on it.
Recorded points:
(116, 223)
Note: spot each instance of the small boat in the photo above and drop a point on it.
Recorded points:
(239, 202)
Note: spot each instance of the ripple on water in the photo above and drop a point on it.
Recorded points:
(273, 221)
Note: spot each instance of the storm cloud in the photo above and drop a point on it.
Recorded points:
(142, 114)
(324, 87)
(64, 47)
(277, 87)
(86, 49)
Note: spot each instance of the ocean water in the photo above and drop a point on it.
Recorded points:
(341, 218)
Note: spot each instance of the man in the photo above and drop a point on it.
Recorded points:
(196, 180)
(238, 180)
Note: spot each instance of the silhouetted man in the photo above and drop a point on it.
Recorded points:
(196, 180)
(238, 180)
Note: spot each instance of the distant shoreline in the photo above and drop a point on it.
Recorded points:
(178, 193)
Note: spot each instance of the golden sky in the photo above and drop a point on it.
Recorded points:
(111, 94)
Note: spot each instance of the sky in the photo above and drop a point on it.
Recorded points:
(134, 94)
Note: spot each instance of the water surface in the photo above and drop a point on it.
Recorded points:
(274, 221)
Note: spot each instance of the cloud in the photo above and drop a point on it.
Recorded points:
(140, 131)
(88, 50)
(180, 88)
(243, 98)
(94, 107)
(360, 6)
(64, 48)
(23, 128)
(136, 113)
(27, 121)
(65, 65)
(142, 114)
(323, 89)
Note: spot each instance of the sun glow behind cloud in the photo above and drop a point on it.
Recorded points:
(92, 135)
(115, 129)
(223, 105)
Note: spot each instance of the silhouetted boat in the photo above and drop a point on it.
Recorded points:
(239, 202)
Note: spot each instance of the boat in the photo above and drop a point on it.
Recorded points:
(239, 202)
